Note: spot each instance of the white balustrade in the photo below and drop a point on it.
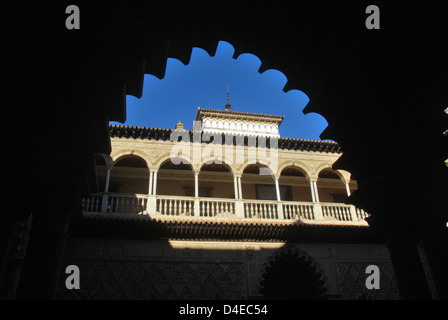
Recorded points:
(213, 207)
(121, 203)
(361, 214)
(127, 203)
(260, 209)
(175, 206)
(298, 210)
(338, 211)
(222, 208)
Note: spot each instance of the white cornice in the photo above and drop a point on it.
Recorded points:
(240, 133)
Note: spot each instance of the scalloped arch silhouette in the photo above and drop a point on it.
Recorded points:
(291, 119)
(292, 275)
(320, 62)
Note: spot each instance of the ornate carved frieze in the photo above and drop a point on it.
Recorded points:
(160, 280)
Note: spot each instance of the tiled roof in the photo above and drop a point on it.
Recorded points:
(132, 132)
(128, 132)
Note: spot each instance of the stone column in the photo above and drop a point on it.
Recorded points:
(151, 207)
(105, 200)
(106, 187)
(235, 186)
(279, 199)
(239, 207)
(240, 188)
(317, 208)
(154, 190)
(196, 184)
(151, 175)
(196, 207)
(347, 187)
(313, 198)
(277, 188)
(316, 193)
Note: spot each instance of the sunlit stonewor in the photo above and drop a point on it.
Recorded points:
(232, 177)
(247, 172)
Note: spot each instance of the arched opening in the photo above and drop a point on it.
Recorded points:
(130, 174)
(291, 276)
(175, 178)
(294, 180)
(251, 91)
(216, 181)
(421, 62)
(257, 183)
(331, 187)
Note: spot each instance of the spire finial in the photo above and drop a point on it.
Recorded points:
(228, 106)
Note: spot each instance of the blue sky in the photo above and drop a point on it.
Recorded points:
(203, 83)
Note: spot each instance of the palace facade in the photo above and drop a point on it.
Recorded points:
(227, 210)
(229, 166)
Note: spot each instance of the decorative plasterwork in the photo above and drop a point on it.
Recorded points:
(239, 123)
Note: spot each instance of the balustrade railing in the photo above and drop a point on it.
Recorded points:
(175, 206)
(298, 210)
(361, 214)
(261, 209)
(336, 211)
(92, 203)
(125, 203)
(212, 207)
(221, 208)
(116, 202)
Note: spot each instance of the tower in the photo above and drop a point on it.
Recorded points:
(228, 106)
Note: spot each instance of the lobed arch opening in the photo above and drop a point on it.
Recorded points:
(294, 182)
(129, 175)
(258, 182)
(175, 176)
(216, 180)
(332, 187)
(292, 275)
